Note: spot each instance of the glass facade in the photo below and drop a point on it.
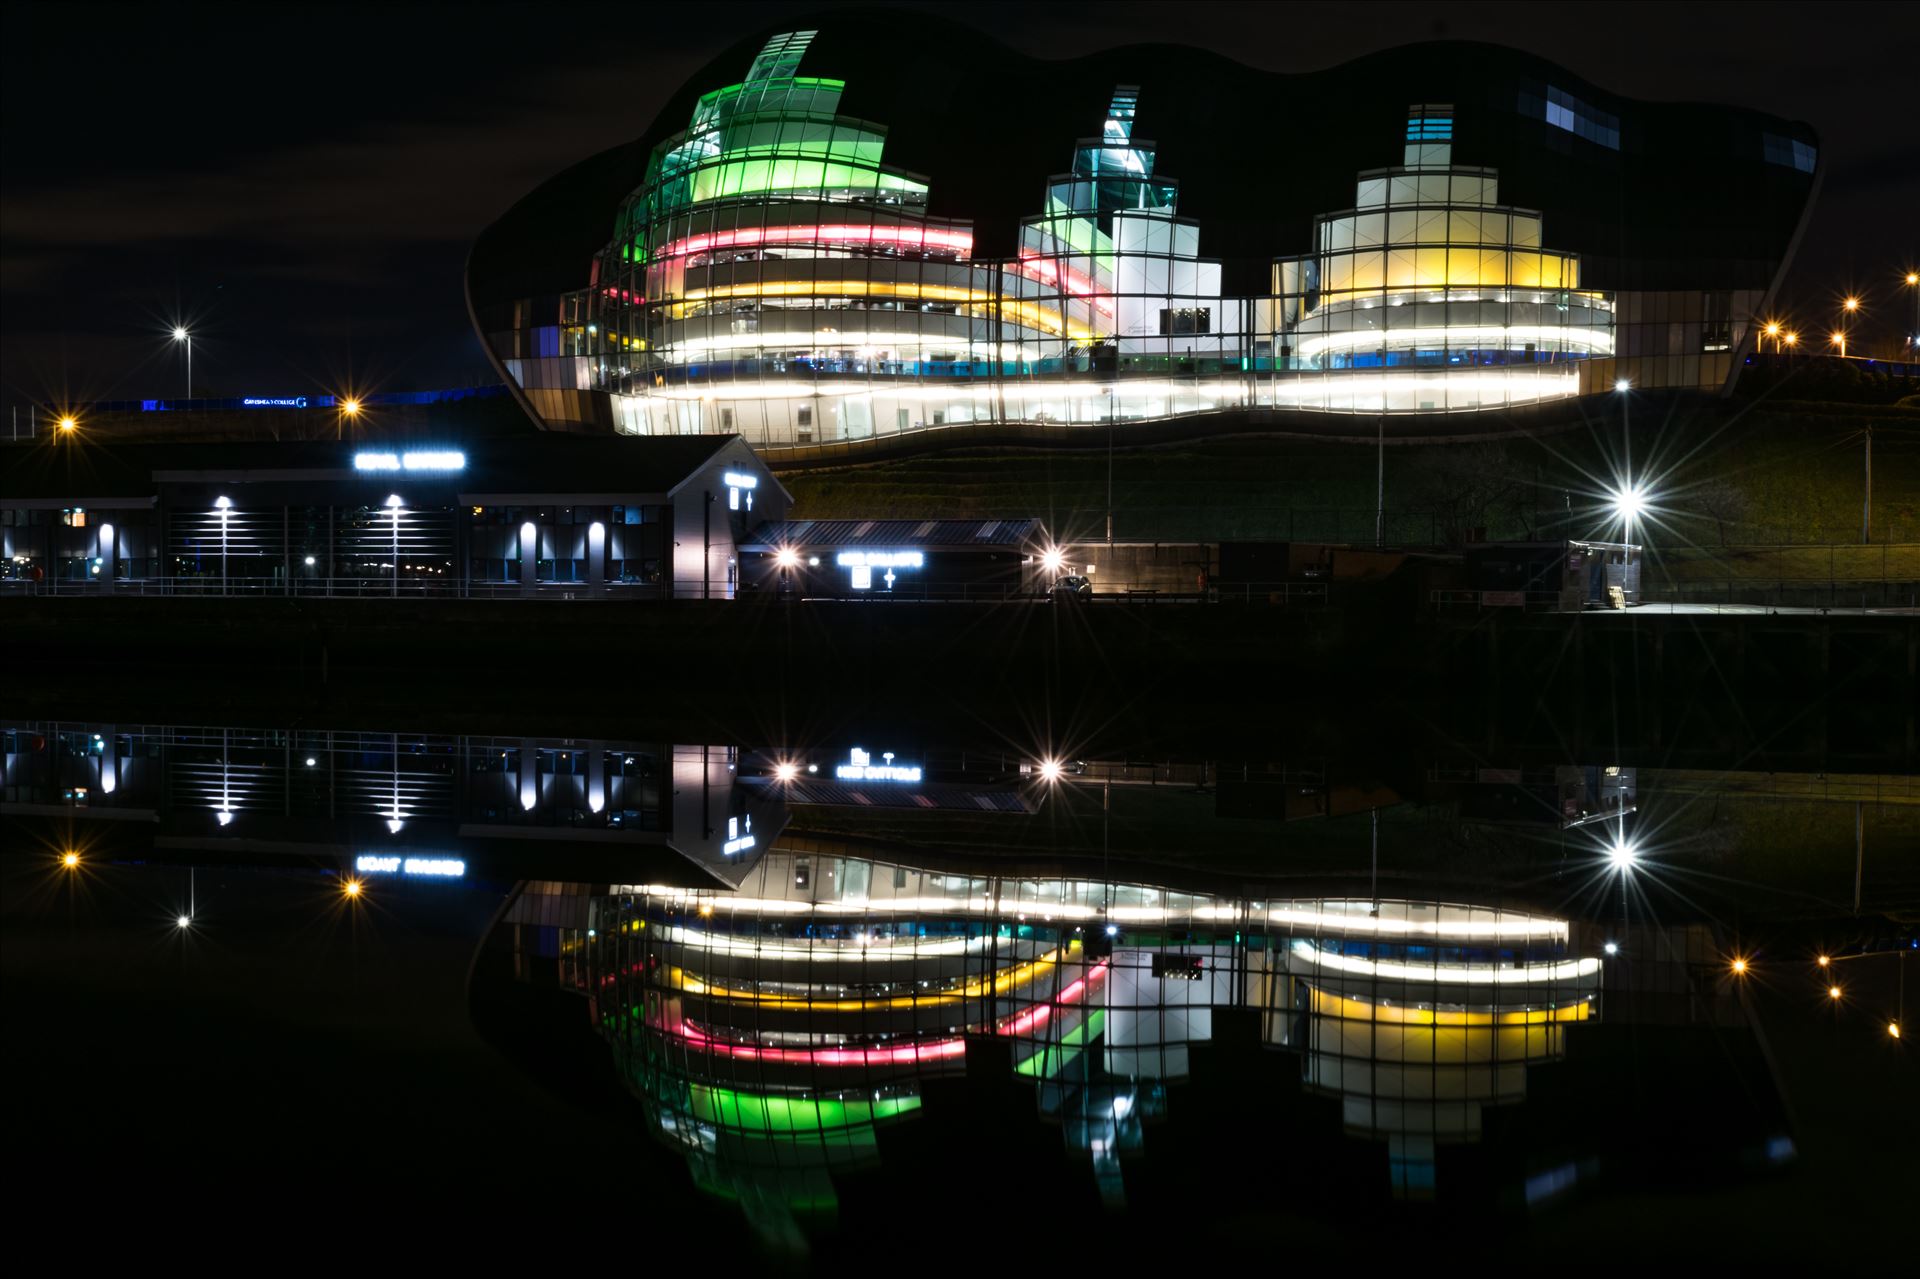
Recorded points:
(775, 277)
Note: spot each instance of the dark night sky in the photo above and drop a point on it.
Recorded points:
(302, 182)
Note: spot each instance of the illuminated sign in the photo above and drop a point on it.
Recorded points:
(736, 482)
(881, 559)
(431, 867)
(446, 460)
(861, 768)
(738, 840)
(275, 402)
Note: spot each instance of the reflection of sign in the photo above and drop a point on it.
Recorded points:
(446, 460)
(275, 402)
(1178, 967)
(739, 839)
(433, 867)
(861, 768)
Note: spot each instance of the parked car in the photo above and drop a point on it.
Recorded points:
(1071, 587)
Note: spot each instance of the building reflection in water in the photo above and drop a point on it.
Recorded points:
(191, 789)
(776, 1033)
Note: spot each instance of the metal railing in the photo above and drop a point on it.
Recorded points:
(1715, 596)
(903, 592)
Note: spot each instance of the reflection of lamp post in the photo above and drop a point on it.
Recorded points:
(224, 505)
(180, 334)
(393, 507)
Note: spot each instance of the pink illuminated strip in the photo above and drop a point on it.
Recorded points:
(936, 1050)
(908, 237)
(1049, 272)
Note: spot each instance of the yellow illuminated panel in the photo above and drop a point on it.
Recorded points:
(1032, 314)
(1357, 1028)
(1003, 981)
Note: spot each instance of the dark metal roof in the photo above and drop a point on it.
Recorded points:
(919, 534)
(533, 463)
(935, 795)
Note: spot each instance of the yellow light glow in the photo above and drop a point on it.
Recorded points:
(67, 424)
(1853, 304)
(1913, 277)
(1833, 992)
(1792, 338)
(71, 861)
(1739, 967)
(1893, 1028)
(351, 888)
(1839, 339)
(1773, 330)
(1825, 960)
(350, 407)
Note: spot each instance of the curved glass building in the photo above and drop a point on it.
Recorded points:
(787, 265)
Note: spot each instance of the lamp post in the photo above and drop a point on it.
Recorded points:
(1913, 335)
(180, 334)
(1839, 339)
(1110, 417)
(1866, 501)
(349, 408)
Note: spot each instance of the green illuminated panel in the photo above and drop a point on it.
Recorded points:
(759, 1112)
(1050, 1062)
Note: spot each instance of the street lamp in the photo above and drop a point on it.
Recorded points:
(1840, 340)
(349, 408)
(67, 423)
(1773, 331)
(180, 334)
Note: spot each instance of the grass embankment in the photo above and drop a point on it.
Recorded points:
(1730, 482)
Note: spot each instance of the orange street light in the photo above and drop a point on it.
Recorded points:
(1833, 992)
(1739, 968)
(1825, 960)
(1791, 339)
(1840, 340)
(1913, 277)
(71, 861)
(1853, 304)
(67, 422)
